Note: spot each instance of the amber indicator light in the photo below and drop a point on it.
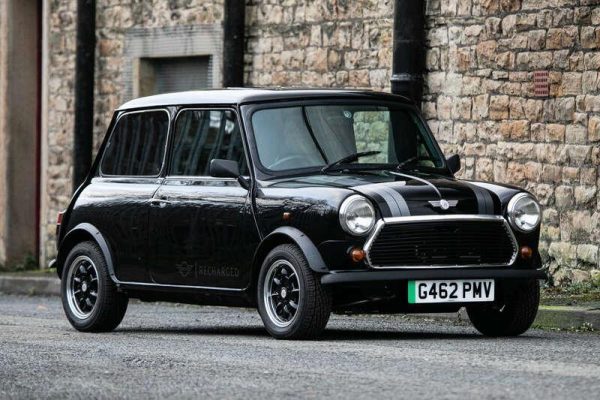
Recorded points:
(526, 252)
(357, 255)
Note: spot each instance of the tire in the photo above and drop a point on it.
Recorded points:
(511, 318)
(312, 301)
(105, 311)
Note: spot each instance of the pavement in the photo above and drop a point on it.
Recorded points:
(582, 316)
(175, 351)
(35, 284)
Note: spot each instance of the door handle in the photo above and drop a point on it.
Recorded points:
(159, 202)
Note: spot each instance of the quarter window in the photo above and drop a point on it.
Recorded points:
(203, 135)
(137, 145)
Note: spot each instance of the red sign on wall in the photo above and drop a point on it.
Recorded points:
(540, 84)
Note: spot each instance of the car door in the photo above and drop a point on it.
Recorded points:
(202, 228)
(128, 177)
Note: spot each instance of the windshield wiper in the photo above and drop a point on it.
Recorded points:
(407, 161)
(351, 158)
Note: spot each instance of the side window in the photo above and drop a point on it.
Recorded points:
(137, 145)
(203, 135)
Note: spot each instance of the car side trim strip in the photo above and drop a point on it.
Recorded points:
(165, 286)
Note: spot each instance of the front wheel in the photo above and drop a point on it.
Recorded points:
(513, 316)
(291, 301)
(90, 298)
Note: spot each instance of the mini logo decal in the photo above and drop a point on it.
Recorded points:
(184, 269)
(444, 204)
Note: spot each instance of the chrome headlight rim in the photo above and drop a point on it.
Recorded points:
(345, 207)
(512, 215)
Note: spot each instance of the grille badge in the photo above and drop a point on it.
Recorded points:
(443, 203)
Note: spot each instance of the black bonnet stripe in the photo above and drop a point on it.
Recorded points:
(485, 203)
(390, 201)
(398, 199)
(383, 204)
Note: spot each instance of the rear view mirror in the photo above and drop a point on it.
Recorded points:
(453, 163)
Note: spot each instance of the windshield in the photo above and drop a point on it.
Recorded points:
(291, 138)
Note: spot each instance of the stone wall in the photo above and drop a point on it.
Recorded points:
(479, 100)
(480, 103)
(319, 43)
(114, 19)
(59, 116)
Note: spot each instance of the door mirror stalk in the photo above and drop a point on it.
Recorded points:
(244, 182)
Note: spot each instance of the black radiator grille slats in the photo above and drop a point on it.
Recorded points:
(442, 243)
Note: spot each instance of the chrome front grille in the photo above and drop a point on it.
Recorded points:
(441, 242)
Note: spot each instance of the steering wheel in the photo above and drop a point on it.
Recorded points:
(284, 160)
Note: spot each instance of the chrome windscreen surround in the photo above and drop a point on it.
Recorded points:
(428, 218)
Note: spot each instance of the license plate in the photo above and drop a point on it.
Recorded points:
(455, 291)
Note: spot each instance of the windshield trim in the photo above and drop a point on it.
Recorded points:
(264, 173)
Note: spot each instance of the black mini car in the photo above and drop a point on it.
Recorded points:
(299, 203)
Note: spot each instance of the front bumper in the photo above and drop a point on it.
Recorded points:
(352, 277)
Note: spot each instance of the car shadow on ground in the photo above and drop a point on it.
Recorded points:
(329, 334)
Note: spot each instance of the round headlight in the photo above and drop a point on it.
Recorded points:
(357, 215)
(524, 212)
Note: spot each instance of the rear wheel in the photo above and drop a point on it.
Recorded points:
(90, 298)
(291, 301)
(513, 316)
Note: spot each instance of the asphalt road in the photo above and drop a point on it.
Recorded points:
(174, 351)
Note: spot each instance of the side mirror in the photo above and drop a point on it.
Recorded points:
(453, 163)
(227, 169)
(224, 168)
